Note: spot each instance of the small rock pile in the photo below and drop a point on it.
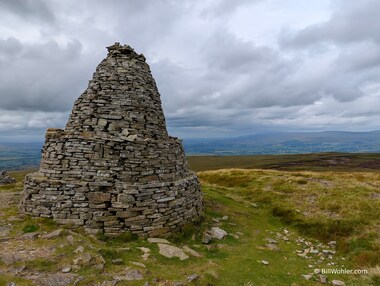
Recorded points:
(318, 255)
(168, 250)
(5, 179)
(215, 232)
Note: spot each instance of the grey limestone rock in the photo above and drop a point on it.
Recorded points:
(338, 283)
(217, 233)
(53, 234)
(190, 251)
(158, 240)
(170, 251)
(130, 275)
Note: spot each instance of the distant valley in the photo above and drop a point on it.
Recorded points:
(16, 156)
(25, 155)
(287, 143)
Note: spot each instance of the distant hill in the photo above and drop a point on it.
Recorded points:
(287, 143)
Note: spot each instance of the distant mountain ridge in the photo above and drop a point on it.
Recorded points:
(287, 143)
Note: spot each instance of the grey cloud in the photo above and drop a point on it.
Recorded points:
(32, 10)
(352, 21)
(204, 121)
(9, 48)
(351, 35)
(361, 57)
(236, 75)
(30, 120)
(219, 8)
(225, 51)
(255, 76)
(140, 23)
(44, 77)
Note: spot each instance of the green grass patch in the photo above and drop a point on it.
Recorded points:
(42, 265)
(30, 228)
(110, 254)
(19, 281)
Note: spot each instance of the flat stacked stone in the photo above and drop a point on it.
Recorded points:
(114, 168)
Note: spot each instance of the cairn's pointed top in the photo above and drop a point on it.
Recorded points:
(117, 49)
(120, 48)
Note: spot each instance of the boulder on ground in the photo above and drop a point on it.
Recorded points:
(217, 233)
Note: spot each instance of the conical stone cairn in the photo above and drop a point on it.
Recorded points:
(114, 168)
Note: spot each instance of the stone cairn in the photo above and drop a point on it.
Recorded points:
(5, 179)
(114, 168)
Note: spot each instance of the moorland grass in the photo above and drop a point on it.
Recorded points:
(341, 206)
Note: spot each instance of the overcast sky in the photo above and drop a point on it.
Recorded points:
(223, 67)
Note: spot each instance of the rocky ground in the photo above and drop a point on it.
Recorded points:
(58, 257)
(28, 258)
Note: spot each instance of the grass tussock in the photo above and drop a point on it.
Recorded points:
(30, 228)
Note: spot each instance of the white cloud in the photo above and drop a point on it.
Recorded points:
(13, 119)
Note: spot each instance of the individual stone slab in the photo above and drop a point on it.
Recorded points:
(4, 231)
(130, 274)
(114, 168)
(191, 251)
(53, 234)
(170, 251)
(338, 283)
(158, 240)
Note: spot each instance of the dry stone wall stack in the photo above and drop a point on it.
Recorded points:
(114, 168)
